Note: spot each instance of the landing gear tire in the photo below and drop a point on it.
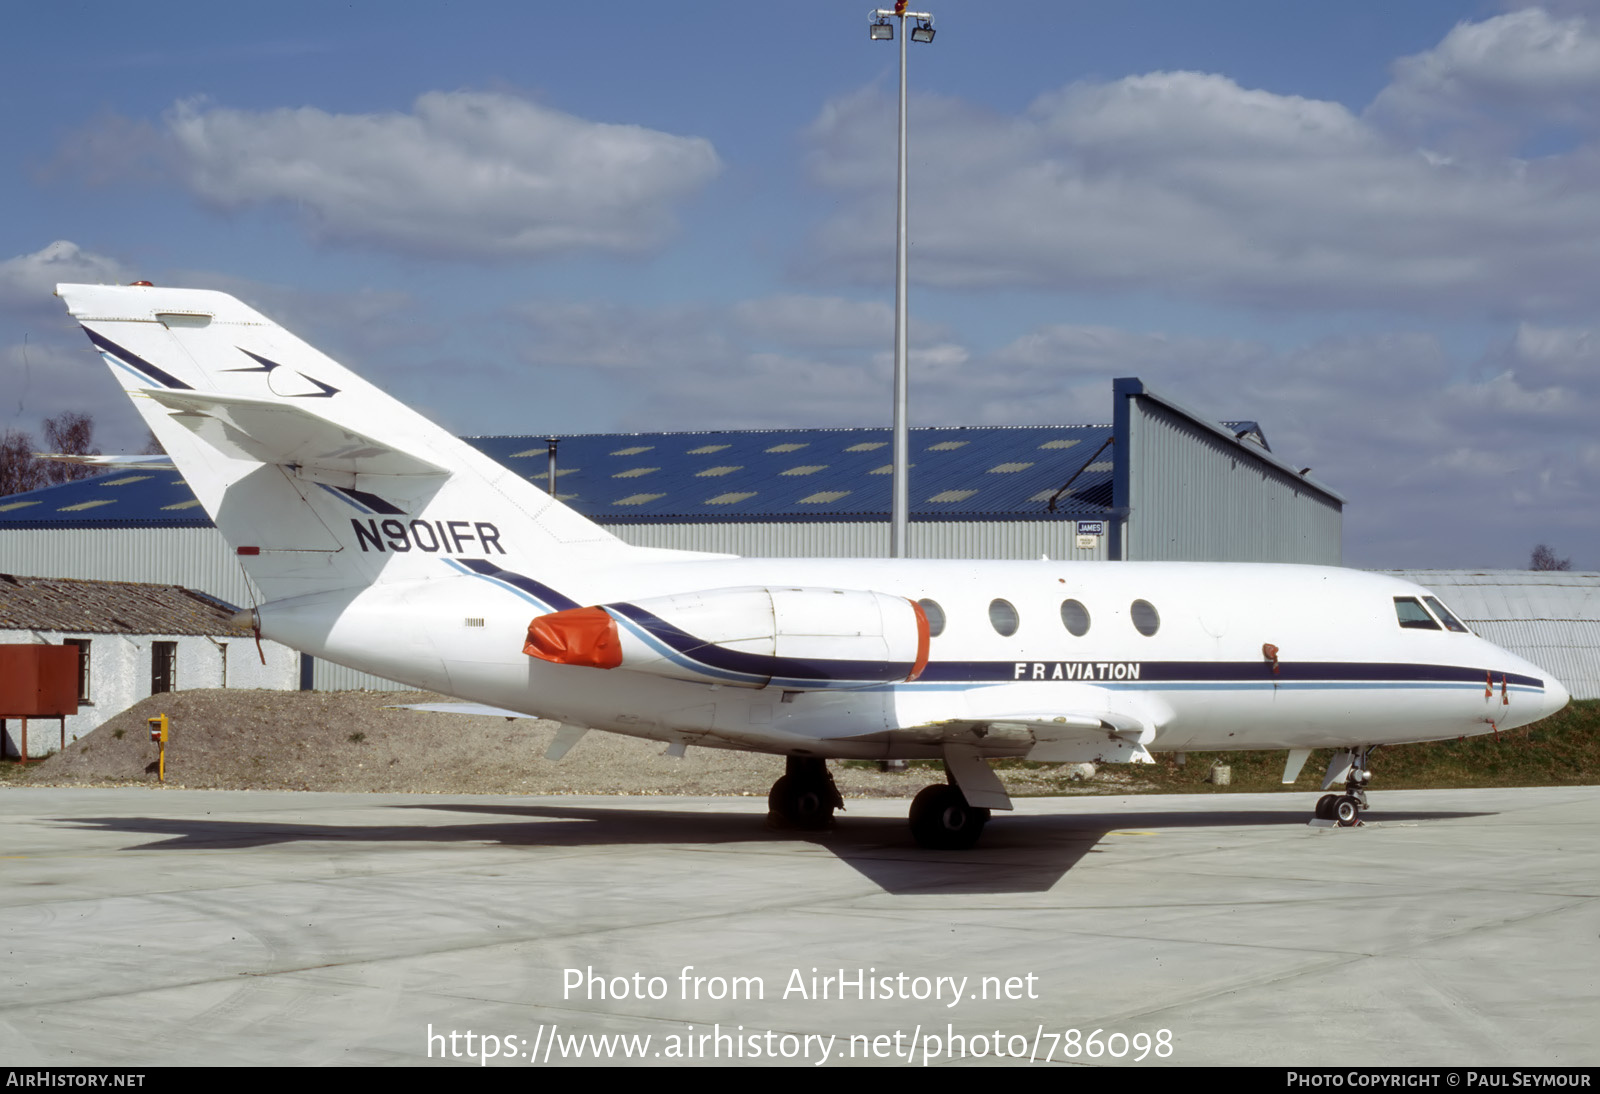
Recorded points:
(805, 797)
(799, 805)
(1347, 811)
(942, 820)
(1354, 767)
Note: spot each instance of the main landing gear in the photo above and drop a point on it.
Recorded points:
(942, 816)
(805, 797)
(1352, 767)
(942, 820)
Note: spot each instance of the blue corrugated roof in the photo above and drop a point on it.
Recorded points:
(972, 473)
(817, 474)
(117, 499)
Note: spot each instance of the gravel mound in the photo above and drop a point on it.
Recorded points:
(354, 741)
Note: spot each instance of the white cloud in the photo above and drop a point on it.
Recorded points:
(48, 367)
(55, 375)
(817, 320)
(783, 360)
(1527, 66)
(465, 174)
(1188, 184)
(619, 337)
(28, 282)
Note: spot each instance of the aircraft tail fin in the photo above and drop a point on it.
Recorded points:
(317, 478)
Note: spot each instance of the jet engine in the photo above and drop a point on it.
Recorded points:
(797, 639)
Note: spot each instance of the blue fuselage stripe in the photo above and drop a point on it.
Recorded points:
(135, 362)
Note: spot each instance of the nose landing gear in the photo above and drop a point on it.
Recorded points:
(1351, 767)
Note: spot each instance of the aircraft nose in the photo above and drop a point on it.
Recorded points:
(1555, 696)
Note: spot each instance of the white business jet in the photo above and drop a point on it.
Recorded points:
(379, 541)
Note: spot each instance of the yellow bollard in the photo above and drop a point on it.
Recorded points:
(158, 732)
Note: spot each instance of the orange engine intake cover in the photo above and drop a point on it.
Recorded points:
(577, 636)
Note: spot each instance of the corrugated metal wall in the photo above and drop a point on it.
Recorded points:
(858, 539)
(1193, 496)
(196, 558)
(1552, 618)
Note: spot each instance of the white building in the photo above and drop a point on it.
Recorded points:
(134, 641)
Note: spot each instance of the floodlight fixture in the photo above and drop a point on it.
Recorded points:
(923, 32)
(883, 29)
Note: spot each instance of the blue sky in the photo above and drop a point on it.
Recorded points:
(1375, 228)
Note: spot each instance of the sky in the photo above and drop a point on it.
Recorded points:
(1372, 227)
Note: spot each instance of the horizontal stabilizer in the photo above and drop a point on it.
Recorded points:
(160, 462)
(270, 431)
(478, 709)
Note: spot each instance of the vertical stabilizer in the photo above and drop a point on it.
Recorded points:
(319, 480)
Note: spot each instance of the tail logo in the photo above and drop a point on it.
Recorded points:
(286, 384)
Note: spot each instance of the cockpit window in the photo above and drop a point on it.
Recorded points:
(1446, 616)
(1413, 615)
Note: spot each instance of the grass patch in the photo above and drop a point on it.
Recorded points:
(1563, 750)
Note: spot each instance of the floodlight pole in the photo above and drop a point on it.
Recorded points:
(899, 521)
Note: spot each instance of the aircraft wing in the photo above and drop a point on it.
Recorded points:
(1046, 737)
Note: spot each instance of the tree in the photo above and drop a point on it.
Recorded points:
(1545, 559)
(19, 470)
(69, 434)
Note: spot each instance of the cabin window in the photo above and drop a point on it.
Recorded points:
(1413, 616)
(1146, 620)
(934, 615)
(1075, 617)
(1003, 617)
(1446, 616)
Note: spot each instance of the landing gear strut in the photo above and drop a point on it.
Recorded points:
(805, 797)
(1345, 809)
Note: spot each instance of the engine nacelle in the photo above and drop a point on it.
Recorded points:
(797, 639)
